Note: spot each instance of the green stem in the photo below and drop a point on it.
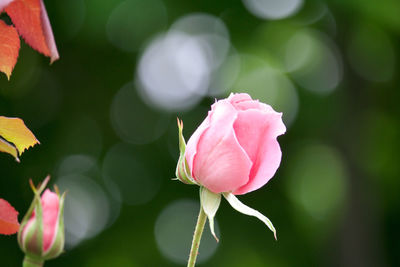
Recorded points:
(201, 221)
(31, 262)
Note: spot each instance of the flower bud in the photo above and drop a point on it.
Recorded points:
(234, 151)
(41, 235)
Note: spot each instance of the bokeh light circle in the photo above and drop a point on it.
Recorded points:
(173, 72)
(318, 180)
(313, 61)
(211, 30)
(225, 76)
(76, 163)
(133, 121)
(128, 177)
(273, 9)
(201, 23)
(86, 210)
(130, 23)
(371, 53)
(192, 60)
(174, 231)
(268, 84)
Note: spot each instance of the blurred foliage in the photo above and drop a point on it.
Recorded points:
(331, 67)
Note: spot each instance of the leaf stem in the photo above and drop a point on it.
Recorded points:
(201, 221)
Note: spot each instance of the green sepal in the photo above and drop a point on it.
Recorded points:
(32, 262)
(182, 168)
(242, 208)
(210, 203)
(37, 227)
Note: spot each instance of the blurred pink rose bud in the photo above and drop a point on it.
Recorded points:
(41, 235)
(234, 151)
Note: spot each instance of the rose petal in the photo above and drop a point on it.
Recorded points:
(237, 98)
(221, 164)
(264, 169)
(244, 102)
(191, 147)
(256, 132)
(50, 204)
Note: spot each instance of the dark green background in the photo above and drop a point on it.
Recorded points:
(334, 200)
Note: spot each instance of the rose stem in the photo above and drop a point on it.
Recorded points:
(201, 220)
(30, 262)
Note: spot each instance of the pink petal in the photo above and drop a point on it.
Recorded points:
(4, 3)
(50, 205)
(221, 164)
(191, 147)
(264, 169)
(243, 102)
(48, 34)
(236, 98)
(256, 131)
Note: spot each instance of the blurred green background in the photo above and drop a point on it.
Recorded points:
(105, 115)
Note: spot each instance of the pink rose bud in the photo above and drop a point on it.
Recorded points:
(234, 151)
(41, 235)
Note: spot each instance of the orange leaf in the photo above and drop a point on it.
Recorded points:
(8, 218)
(14, 133)
(9, 47)
(31, 20)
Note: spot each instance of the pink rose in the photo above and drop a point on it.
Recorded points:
(235, 149)
(42, 230)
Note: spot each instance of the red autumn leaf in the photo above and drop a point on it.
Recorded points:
(9, 47)
(8, 218)
(31, 20)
